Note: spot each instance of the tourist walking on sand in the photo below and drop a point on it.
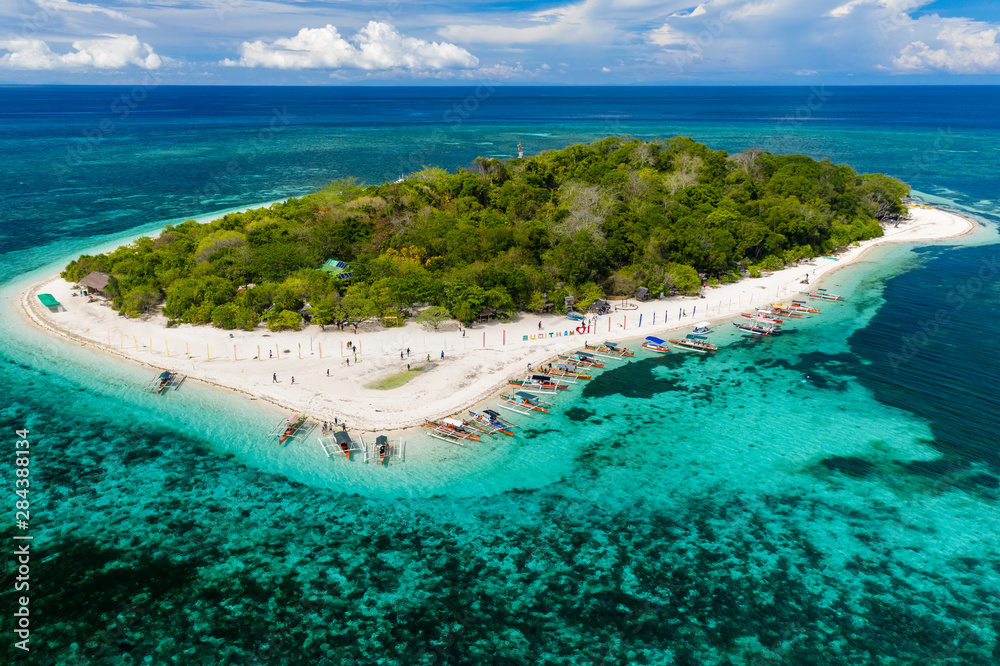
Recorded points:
(539, 326)
(293, 379)
(274, 378)
(442, 353)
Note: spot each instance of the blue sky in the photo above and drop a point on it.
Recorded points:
(595, 42)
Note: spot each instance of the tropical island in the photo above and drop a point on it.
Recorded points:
(505, 236)
(355, 303)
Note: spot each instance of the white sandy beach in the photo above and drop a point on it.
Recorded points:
(475, 366)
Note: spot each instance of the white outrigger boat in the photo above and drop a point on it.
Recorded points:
(297, 425)
(823, 295)
(695, 344)
(523, 402)
(702, 327)
(609, 350)
(656, 344)
(383, 449)
(451, 430)
(339, 440)
(490, 421)
(165, 381)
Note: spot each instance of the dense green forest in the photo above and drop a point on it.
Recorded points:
(588, 220)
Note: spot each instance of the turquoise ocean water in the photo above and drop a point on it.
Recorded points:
(829, 496)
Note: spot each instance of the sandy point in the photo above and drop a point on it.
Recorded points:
(458, 368)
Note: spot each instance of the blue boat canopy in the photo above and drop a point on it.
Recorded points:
(654, 340)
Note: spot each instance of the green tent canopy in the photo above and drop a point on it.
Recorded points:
(48, 301)
(337, 269)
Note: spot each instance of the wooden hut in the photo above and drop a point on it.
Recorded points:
(642, 294)
(96, 283)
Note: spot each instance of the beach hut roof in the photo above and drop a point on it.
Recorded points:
(95, 280)
(641, 291)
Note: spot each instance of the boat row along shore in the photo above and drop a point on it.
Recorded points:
(527, 398)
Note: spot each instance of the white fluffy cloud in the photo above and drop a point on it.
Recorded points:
(570, 24)
(61, 6)
(107, 52)
(963, 49)
(377, 46)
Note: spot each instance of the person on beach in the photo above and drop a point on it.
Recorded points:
(407, 367)
(270, 354)
(328, 372)
(428, 357)
(293, 379)
(355, 358)
(442, 353)
(348, 362)
(539, 326)
(400, 355)
(274, 378)
(407, 351)
(529, 367)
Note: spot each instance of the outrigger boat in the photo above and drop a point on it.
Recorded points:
(761, 317)
(339, 440)
(695, 344)
(702, 327)
(822, 294)
(656, 345)
(523, 402)
(800, 306)
(491, 422)
(756, 328)
(383, 448)
(294, 426)
(779, 311)
(609, 350)
(567, 372)
(451, 430)
(538, 383)
(164, 381)
(583, 358)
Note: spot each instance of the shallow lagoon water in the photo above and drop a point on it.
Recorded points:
(788, 500)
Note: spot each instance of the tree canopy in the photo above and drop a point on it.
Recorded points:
(587, 220)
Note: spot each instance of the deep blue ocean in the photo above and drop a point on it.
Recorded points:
(826, 497)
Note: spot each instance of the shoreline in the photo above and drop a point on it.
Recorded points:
(475, 366)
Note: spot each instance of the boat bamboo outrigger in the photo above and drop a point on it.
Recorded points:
(165, 381)
(609, 350)
(583, 358)
(778, 311)
(800, 306)
(384, 449)
(567, 372)
(538, 384)
(695, 343)
(523, 402)
(294, 426)
(451, 430)
(490, 423)
(823, 294)
(761, 317)
(341, 441)
(655, 344)
(757, 328)
(702, 327)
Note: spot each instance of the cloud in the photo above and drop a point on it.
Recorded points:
(569, 24)
(378, 47)
(110, 52)
(58, 6)
(965, 49)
